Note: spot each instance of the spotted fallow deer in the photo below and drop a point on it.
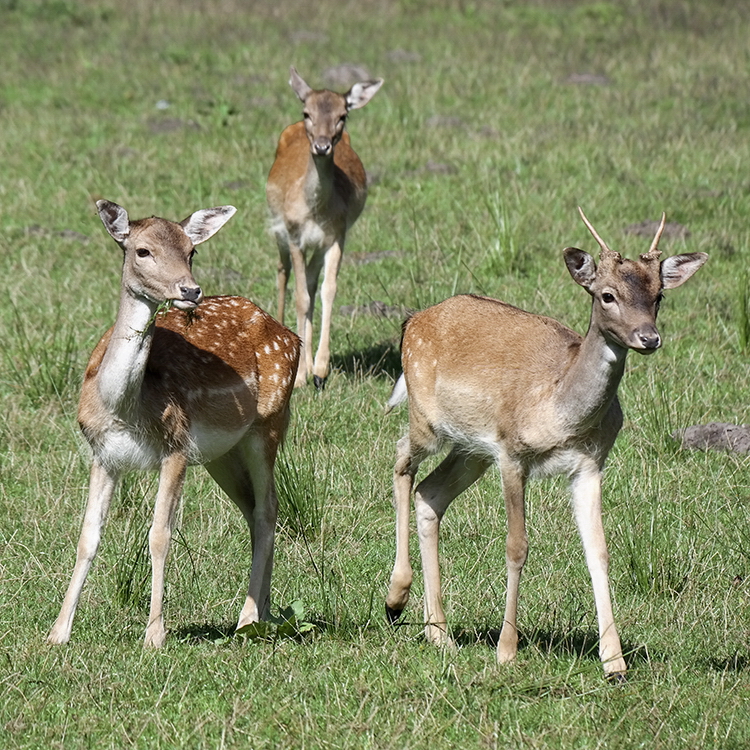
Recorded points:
(208, 382)
(316, 190)
(505, 387)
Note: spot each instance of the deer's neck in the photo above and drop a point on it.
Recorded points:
(590, 384)
(121, 372)
(319, 180)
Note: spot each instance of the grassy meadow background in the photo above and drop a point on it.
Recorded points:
(495, 121)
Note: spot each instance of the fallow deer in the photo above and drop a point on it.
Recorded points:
(208, 382)
(523, 392)
(316, 190)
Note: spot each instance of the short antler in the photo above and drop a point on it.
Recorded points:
(654, 252)
(606, 252)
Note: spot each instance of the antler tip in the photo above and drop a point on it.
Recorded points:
(602, 244)
(653, 251)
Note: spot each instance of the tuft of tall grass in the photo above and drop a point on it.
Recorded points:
(659, 537)
(503, 254)
(300, 495)
(132, 569)
(46, 369)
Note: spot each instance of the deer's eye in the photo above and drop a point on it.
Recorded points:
(190, 258)
(142, 252)
(607, 297)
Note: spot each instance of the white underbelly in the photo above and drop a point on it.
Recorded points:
(210, 443)
(129, 450)
(125, 450)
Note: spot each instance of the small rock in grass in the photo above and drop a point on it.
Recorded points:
(672, 230)
(717, 436)
(376, 308)
(588, 79)
(344, 75)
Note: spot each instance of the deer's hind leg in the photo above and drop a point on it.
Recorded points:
(458, 471)
(246, 475)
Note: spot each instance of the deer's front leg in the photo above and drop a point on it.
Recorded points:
(101, 486)
(331, 265)
(587, 503)
(282, 277)
(160, 536)
(305, 304)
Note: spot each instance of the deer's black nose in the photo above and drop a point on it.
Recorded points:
(650, 340)
(191, 293)
(322, 146)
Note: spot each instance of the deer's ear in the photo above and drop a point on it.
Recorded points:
(298, 84)
(115, 219)
(679, 268)
(581, 266)
(206, 223)
(361, 93)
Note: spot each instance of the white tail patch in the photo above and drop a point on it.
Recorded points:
(399, 394)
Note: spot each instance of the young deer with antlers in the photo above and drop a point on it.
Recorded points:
(208, 382)
(506, 387)
(316, 190)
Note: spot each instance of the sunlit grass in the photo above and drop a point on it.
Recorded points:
(495, 121)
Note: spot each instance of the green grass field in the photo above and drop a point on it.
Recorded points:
(496, 120)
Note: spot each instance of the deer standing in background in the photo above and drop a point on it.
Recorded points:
(316, 189)
(508, 388)
(208, 382)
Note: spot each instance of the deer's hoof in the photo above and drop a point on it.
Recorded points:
(392, 614)
(617, 678)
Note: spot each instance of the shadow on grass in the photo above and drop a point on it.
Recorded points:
(204, 633)
(583, 644)
(380, 359)
(735, 663)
